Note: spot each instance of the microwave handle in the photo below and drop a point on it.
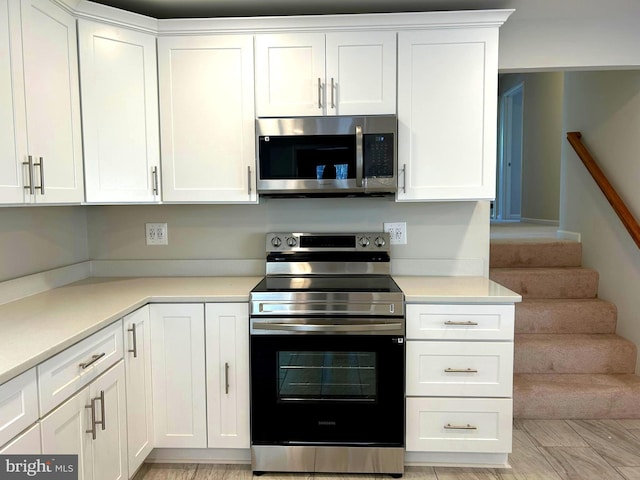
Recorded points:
(359, 156)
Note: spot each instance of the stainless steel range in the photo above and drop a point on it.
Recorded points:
(327, 357)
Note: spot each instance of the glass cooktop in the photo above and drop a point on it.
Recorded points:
(342, 283)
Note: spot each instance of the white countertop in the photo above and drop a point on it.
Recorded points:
(37, 327)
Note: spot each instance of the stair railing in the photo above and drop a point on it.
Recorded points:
(627, 218)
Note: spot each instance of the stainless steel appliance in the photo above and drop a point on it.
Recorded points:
(311, 156)
(327, 357)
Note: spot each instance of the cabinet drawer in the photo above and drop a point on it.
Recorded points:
(460, 322)
(65, 373)
(480, 425)
(481, 369)
(18, 405)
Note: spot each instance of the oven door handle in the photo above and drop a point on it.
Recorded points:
(308, 327)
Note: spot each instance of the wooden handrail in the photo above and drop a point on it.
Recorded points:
(627, 218)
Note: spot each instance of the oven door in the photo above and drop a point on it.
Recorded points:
(320, 389)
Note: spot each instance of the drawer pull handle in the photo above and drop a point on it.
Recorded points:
(102, 408)
(461, 324)
(94, 359)
(133, 350)
(448, 426)
(460, 370)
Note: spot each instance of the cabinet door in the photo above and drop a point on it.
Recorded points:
(110, 445)
(227, 344)
(361, 73)
(137, 361)
(64, 431)
(12, 138)
(207, 119)
(28, 443)
(290, 75)
(178, 376)
(447, 95)
(52, 97)
(119, 113)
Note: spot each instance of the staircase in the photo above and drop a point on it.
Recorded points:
(568, 360)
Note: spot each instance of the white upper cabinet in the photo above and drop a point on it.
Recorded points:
(52, 99)
(334, 74)
(447, 95)
(11, 181)
(207, 118)
(119, 86)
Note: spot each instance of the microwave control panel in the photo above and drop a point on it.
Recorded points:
(378, 155)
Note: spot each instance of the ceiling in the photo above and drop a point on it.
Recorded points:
(247, 8)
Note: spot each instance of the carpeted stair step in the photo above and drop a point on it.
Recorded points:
(565, 316)
(563, 282)
(581, 396)
(573, 353)
(540, 252)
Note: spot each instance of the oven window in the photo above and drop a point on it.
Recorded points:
(316, 376)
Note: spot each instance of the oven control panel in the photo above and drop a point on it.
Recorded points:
(328, 242)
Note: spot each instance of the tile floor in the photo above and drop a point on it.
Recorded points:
(542, 450)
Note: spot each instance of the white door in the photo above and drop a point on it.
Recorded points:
(12, 134)
(361, 73)
(119, 82)
(290, 79)
(227, 345)
(178, 375)
(110, 445)
(447, 95)
(27, 443)
(64, 431)
(137, 361)
(52, 101)
(207, 119)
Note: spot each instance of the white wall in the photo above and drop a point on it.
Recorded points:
(35, 239)
(605, 107)
(569, 34)
(542, 142)
(444, 233)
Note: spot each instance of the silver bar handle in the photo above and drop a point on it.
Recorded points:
(154, 173)
(102, 409)
(226, 378)
(94, 359)
(30, 187)
(319, 93)
(133, 350)
(461, 324)
(404, 178)
(92, 430)
(460, 370)
(448, 426)
(333, 103)
(359, 156)
(306, 327)
(41, 165)
(249, 180)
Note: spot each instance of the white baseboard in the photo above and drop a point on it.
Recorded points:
(540, 221)
(22, 287)
(567, 235)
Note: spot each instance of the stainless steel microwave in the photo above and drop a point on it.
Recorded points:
(326, 156)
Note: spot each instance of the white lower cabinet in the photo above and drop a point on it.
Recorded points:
(137, 362)
(178, 375)
(92, 425)
(27, 443)
(227, 344)
(459, 383)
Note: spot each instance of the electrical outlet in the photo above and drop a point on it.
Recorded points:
(157, 234)
(397, 232)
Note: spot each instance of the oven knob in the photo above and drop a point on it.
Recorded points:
(291, 241)
(276, 242)
(380, 242)
(364, 242)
